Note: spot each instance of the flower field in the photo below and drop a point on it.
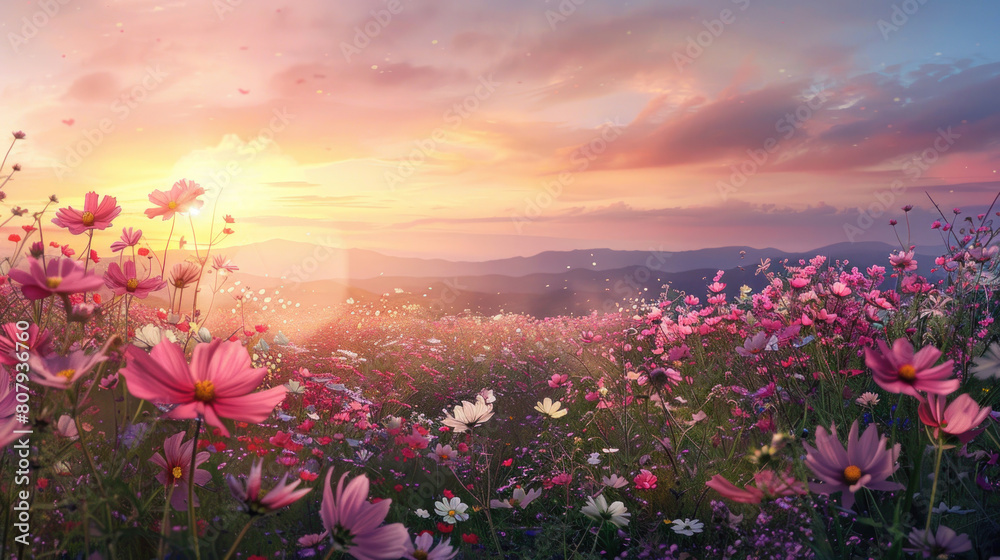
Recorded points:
(836, 414)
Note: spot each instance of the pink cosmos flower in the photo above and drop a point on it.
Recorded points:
(8, 404)
(130, 238)
(60, 276)
(941, 544)
(93, 216)
(252, 502)
(901, 371)
(767, 485)
(959, 418)
(181, 198)
(184, 274)
(222, 263)
(903, 261)
(218, 383)
(127, 282)
(423, 548)
(865, 464)
(355, 524)
(176, 469)
(645, 480)
(37, 342)
(60, 372)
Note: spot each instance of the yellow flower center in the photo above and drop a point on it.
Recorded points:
(87, 218)
(852, 474)
(513, 502)
(132, 284)
(177, 472)
(443, 456)
(451, 512)
(172, 205)
(67, 373)
(204, 391)
(53, 282)
(419, 554)
(907, 373)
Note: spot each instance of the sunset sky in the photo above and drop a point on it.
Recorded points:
(475, 129)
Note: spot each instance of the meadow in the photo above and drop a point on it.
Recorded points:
(836, 414)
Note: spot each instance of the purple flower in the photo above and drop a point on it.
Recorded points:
(865, 464)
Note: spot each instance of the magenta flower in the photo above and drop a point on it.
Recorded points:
(959, 418)
(901, 371)
(37, 342)
(645, 480)
(184, 274)
(218, 383)
(757, 344)
(903, 261)
(865, 464)
(423, 548)
(8, 404)
(130, 238)
(767, 485)
(181, 198)
(127, 282)
(176, 469)
(253, 503)
(60, 276)
(941, 544)
(355, 524)
(93, 216)
(60, 372)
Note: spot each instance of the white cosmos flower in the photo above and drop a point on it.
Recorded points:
(520, 499)
(614, 481)
(599, 510)
(151, 335)
(687, 526)
(551, 408)
(469, 415)
(594, 459)
(452, 510)
(422, 513)
(988, 365)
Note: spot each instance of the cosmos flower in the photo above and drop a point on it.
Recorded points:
(130, 238)
(987, 366)
(903, 261)
(469, 415)
(222, 263)
(125, 281)
(218, 383)
(865, 464)
(39, 341)
(687, 526)
(552, 409)
(282, 495)
(899, 370)
(645, 480)
(180, 199)
(614, 481)
(599, 510)
(150, 335)
(184, 274)
(452, 510)
(355, 524)
(767, 485)
(757, 344)
(960, 418)
(60, 372)
(867, 399)
(93, 216)
(66, 427)
(8, 404)
(423, 548)
(175, 469)
(442, 454)
(520, 498)
(60, 276)
(940, 544)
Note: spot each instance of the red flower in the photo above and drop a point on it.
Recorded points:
(94, 257)
(14, 237)
(445, 528)
(28, 229)
(470, 538)
(448, 494)
(508, 462)
(143, 252)
(308, 476)
(228, 231)
(261, 328)
(66, 251)
(229, 219)
(398, 488)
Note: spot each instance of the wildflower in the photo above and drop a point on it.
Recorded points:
(867, 399)
(520, 498)
(94, 215)
(470, 538)
(442, 454)
(757, 344)
(901, 371)
(987, 366)
(551, 408)
(252, 502)
(767, 485)
(184, 274)
(66, 427)
(223, 264)
(180, 199)
(8, 404)
(355, 524)
(130, 238)
(423, 548)
(865, 464)
(661, 376)
(150, 335)
(60, 276)
(941, 544)
(959, 418)
(614, 481)
(469, 415)
(645, 480)
(11, 343)
(126, 281)
(942, 508)
(422, 513)
(451, 510)
(687, 527)
(217, 384)
(61, 372)
(903, 261)
(19, 135)
(599, 510)
(594, 459)
(175, 465)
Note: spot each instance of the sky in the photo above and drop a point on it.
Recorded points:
(476, 130)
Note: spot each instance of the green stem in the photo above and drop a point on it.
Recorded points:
(937, 474)
(193, 526)
(164, 523)
(232, 549)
